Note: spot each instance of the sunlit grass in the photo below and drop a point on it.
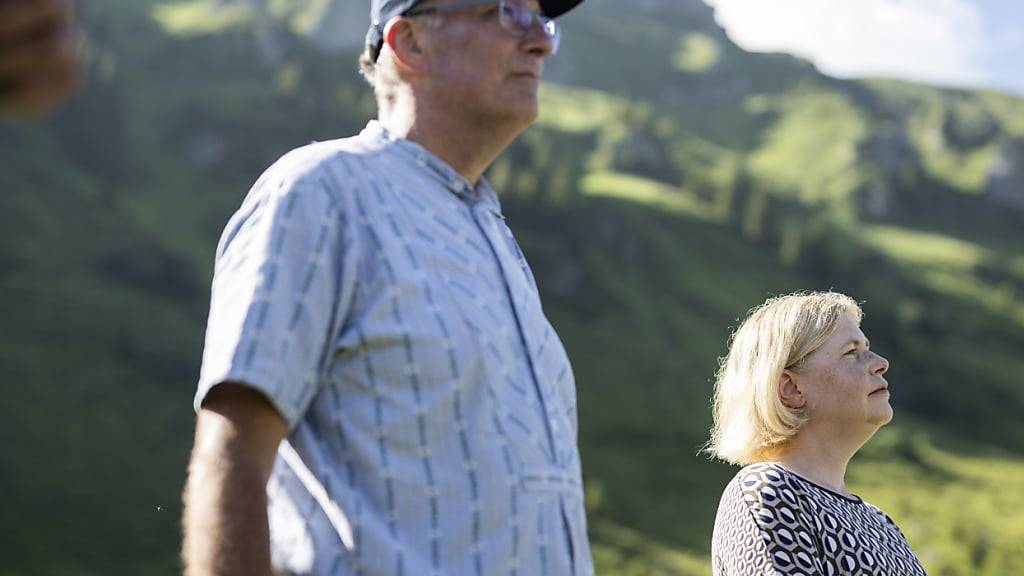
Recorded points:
(577, 110)
(1008, 109)
(697, 52)
(1017, 266)
(947, 265)
(968, 171)
(812, 150)
(924, 249)
(646, 191)
(930, 108)
(961, 512)
(302, 15)
(625, 552)
(200, 17)
(999, 299)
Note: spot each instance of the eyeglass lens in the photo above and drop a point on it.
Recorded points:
(516, 17)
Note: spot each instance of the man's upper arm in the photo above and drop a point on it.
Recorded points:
(243, 421)
(277, 292)
(225, 520)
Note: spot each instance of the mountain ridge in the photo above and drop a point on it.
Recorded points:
(672, 182)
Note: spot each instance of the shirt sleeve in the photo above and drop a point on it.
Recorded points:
(758, 532)
(275, 297)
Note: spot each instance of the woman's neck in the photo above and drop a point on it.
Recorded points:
(823, 463)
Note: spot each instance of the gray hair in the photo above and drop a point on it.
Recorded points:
(382, 74)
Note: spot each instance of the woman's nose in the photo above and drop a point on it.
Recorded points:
(881, 365)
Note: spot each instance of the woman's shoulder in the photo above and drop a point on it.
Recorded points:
(765, 480)
(774, 479)
(767, 487)
(762, 472)
(762, 489)
(764, 519)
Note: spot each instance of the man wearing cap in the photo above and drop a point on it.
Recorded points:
(381, 393)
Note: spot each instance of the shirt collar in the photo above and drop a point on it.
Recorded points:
(438, 169)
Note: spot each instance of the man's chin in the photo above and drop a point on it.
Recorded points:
(520, 117)
(531, 116)
(527, 109)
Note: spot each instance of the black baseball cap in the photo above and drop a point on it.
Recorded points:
(381, 11)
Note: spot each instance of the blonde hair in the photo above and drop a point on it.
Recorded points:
(750, 420)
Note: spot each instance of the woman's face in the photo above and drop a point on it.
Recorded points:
(843, 383)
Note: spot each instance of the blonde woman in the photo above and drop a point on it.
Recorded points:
(798, 394)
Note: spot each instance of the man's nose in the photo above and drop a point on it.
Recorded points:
(537, 40)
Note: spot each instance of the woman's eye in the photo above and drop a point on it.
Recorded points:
(850, 352)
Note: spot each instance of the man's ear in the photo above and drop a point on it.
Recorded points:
(790, 392)
(401, 37)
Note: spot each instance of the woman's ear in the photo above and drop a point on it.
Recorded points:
(790, 392)
(402, 38)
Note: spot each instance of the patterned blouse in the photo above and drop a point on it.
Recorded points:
(774, 522)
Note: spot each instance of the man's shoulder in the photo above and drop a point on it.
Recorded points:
(327, 170)
(334, 159)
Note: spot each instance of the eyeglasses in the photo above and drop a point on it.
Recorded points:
(512, 16)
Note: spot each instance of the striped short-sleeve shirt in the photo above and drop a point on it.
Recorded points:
(382, 305)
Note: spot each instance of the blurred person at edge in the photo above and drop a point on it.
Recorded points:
(381, 393)
(38, 56)
(798, 394)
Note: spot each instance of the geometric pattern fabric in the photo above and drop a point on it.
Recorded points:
(773, 522)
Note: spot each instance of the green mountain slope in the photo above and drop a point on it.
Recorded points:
(673, 182)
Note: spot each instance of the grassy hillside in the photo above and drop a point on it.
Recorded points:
(672, 183)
